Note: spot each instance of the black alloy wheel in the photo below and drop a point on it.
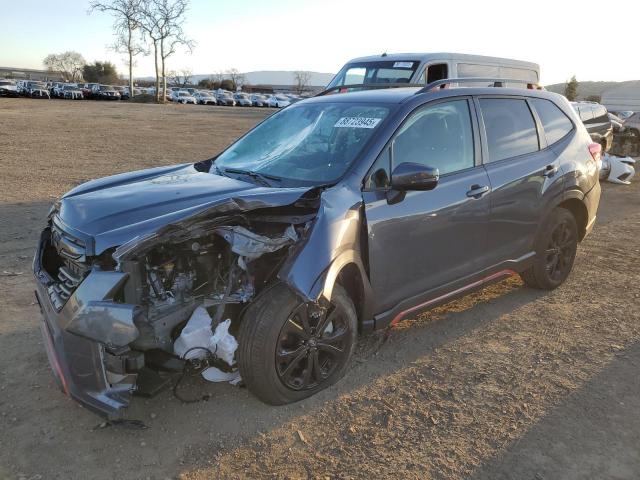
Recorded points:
(560, 251)
(289, 349)
(556, 245)
(311, 346)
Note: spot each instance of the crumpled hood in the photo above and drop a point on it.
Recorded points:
(113, 210)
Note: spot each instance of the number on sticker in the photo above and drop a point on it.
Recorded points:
(357, 122)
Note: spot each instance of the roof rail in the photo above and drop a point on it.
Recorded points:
(497, 82)
(369, 86)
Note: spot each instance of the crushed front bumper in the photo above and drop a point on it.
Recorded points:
(81, 337)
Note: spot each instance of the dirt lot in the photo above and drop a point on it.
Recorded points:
(507, 383)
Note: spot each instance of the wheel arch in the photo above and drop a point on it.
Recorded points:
(349, 272)
(579, 211)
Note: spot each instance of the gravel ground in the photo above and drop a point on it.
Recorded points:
(506, 383)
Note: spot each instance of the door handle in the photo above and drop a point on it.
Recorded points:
(550, 171)
(477, 191)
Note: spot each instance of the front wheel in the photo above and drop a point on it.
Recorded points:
(556, 248)
(290, 350)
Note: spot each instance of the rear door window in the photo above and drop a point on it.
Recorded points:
(509, 126)
(555, 123)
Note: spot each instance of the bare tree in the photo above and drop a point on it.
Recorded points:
(235, 76)
(69, 64)
(127, 14)
(301, 78)
(150, 25)
(181, 78)
(162, 22)
(218, 77)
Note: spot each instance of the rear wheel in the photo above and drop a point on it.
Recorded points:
(290, 350)
(556, 248)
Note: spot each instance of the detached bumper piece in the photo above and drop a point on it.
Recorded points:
(86, 339)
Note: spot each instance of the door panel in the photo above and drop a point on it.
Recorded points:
(428, 239)
(519, 190)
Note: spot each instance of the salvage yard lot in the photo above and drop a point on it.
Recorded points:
(506, 383)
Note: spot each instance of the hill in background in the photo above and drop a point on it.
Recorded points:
(587, 89)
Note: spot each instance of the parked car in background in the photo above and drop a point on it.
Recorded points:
(205, 98)
(37, 90)
(293, 98)
(136, 91)
(242, 99)
(71, 92)
(8, 88)
(258, 100)
(596, 119)
(624, 114)
(123, 91)
(184, 97)
(632, 123)
(225, 98)
(278, 101)
(20, 86)
(105, 92)
(56, 88)
(616, 123)
(88, 89)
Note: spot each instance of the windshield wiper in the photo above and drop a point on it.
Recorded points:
(262, 177)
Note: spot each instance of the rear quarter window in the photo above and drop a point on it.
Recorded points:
(509, 126)
(555, 123)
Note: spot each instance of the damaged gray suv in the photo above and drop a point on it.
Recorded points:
(336, 216)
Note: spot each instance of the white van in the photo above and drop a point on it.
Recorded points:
(423, 68)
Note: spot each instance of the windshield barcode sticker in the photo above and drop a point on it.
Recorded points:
(403, 65)
(357, 122)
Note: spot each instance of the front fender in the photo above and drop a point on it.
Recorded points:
(332, 243)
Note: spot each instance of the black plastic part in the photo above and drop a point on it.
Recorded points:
(163, 361)
(150, 383)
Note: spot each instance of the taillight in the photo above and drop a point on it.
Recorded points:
(595, 149)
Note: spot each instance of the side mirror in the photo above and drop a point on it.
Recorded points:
(414, 176)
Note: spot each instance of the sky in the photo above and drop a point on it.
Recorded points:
(594, 40)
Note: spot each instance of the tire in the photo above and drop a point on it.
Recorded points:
(555, 246)
(271, 327)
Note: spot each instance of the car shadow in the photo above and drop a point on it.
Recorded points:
(594, 433)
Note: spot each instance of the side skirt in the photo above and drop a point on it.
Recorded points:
(451, 291)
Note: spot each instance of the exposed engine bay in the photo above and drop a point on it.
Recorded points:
(221, 270)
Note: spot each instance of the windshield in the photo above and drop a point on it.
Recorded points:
(313, 143)
(375, 72)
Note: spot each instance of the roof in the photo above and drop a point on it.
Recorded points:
(398, 95)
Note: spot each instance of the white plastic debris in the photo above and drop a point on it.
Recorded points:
(196, 337)
(621, 169)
